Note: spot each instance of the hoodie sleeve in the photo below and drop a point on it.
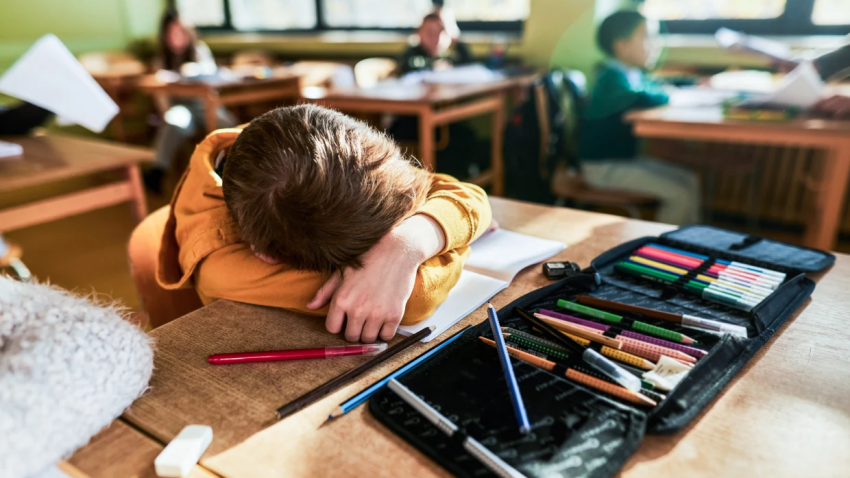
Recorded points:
(462, 211)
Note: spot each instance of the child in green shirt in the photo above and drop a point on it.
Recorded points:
(608, 149)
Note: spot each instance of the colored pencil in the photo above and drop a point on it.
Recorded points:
(683, 319)
(590, 356)
(629, 345)
(636, 325)
(473, 446)
(534, 346)
(508, 370)
(592, 335)
(341, 379)
(692, 351)
(576, 376)
(361, 397)
(618, 355)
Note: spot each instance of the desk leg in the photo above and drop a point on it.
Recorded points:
(822, 228)
(427, 153)
(137, 202)
(211, 104)
(496, 144)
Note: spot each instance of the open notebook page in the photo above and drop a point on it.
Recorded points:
(495, 259)
(471, 290)
(502, 253)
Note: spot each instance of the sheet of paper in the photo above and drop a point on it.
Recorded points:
(502, 253)
(667, 373)
(10, 150)
(802, 87)
(699, 97)
(458, 75)
(470, 292)
(49, 76)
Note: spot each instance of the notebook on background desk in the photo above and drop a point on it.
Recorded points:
(495, 260)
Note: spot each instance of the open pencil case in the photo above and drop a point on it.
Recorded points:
(577, 431)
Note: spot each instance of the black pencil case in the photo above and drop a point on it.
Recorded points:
(576, 431)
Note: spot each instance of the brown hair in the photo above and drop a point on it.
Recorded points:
(316, 189)
(170, 59)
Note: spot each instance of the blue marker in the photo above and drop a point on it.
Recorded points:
(507, 367)
(361, 397)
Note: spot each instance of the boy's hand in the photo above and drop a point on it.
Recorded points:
(371, 300)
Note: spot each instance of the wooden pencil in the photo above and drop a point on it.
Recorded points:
(579, 377)
(583, 332)
(326, 388)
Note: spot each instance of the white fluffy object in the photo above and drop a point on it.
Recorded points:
(68, 367)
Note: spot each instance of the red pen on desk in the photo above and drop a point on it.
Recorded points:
(298, 354)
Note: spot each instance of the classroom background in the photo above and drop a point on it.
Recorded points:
(753, 187)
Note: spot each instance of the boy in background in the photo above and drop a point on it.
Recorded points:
(438, 45)
(608, 149)
(312, 211)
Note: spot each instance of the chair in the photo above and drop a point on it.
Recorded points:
(368, 72)
(160, 305)
(567, 91)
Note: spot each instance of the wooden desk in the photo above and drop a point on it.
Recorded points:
(215, 93)
(707, 124)
(53, 158)
(433, 105)
(786, 415)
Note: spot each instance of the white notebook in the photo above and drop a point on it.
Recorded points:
(495, 260)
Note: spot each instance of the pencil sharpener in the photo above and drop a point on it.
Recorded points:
(559, 270)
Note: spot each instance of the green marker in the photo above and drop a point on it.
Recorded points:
(636, 326)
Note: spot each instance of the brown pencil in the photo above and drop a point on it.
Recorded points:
(582, 332)
(342, 379)
(579, 377)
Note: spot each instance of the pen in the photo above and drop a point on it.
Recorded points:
(508, 369)
(475, 448)
(297, 354)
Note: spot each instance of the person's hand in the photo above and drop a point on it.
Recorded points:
(834, 107)
(370, 301)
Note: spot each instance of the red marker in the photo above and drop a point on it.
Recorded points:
(298, 354)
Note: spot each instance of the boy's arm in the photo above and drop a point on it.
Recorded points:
(618, 95)
(409, 273)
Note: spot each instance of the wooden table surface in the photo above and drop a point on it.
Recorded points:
(56, 157)
(787, 414)
(707, 124)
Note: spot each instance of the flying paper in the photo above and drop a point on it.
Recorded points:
(802, 87)
(49, 76)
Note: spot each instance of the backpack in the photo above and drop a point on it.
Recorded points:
(541, 135)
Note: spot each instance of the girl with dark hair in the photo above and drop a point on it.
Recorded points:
(180, 52)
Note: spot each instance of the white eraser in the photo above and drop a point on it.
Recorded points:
(184, 451)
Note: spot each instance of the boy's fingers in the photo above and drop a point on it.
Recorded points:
(326, 292)
(335, 319)
(370, 330)
(354, 328)
(388, 331)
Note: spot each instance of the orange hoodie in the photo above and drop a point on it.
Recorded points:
(201, 247)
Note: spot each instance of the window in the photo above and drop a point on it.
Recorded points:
(831, 12)
(319, 15)
(759, 17)
(202, 13)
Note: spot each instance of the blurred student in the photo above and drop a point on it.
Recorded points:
(436, 45)
(834, 65)
(608, 149)
(180, 52)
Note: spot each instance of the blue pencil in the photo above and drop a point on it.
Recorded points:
(507, 367)
(361, 397)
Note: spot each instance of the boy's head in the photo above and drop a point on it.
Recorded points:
(316, 189)
(624, 36)
(432, 34)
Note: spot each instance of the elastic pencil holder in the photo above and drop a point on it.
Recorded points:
(577, 431)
